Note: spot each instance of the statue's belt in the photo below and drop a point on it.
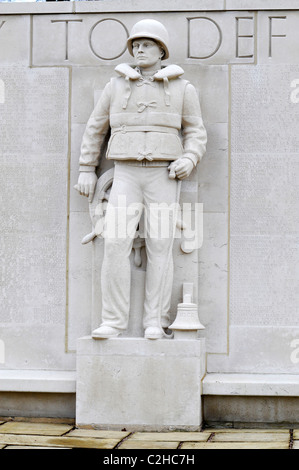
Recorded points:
(144, 163)
(162, 129)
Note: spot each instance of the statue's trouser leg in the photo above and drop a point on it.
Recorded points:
(133, 186)
(120, 228)
(166, 300)
(160, 195)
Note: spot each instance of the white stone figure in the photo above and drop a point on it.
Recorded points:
(147, 107)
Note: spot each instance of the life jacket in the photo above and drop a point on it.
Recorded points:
(146, 114)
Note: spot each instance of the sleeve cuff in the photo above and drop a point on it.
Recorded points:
(87, 168)
(191, 157)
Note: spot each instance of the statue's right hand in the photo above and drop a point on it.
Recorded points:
(86, 184)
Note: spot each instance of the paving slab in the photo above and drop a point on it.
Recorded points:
(41, 420)
(171, 436)
(46, 434)
(98, 433)
(147, 444)
(35, 447)
(251, 437)
(295, 445)
(235, 445)
(46, 429)
(248, 430)
(55, 441)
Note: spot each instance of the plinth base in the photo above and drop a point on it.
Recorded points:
(139, 384)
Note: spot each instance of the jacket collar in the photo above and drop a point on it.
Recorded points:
(131, 72)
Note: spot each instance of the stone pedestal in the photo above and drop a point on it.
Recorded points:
(139, 384)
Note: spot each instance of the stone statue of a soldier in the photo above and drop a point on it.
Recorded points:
(147, 107)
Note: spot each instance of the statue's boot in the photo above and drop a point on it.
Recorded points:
(105, 332)
(153, 332)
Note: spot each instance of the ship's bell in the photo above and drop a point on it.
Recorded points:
(187, 320)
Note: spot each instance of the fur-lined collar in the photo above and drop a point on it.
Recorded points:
(169, 72)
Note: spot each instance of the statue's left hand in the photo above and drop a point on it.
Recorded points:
(181, 167)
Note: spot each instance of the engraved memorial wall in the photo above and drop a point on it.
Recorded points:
(34, 153)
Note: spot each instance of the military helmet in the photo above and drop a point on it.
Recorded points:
(151, 29)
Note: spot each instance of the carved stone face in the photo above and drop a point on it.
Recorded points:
(147, 53)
